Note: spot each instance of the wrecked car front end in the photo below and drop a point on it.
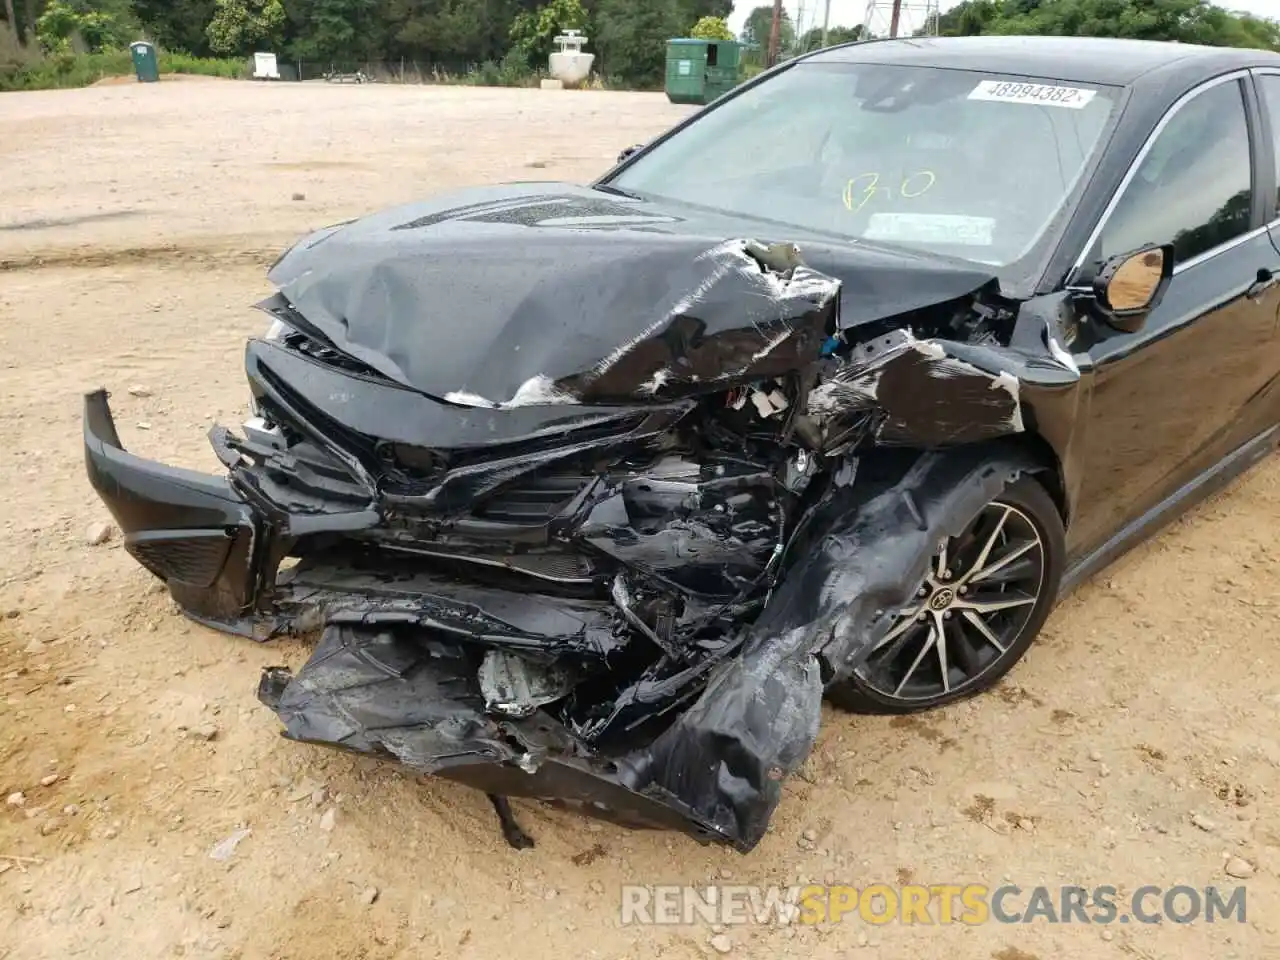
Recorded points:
(603, 539)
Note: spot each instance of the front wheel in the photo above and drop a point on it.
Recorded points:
(984, 600)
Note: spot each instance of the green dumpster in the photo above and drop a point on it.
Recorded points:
(145, 63)
(698, 71)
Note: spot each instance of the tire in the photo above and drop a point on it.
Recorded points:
(904, 674)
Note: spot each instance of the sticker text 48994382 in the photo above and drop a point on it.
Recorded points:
(1042, 94)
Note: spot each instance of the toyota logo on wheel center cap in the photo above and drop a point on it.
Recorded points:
(942, 599)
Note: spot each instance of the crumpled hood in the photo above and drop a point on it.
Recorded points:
(552, 293)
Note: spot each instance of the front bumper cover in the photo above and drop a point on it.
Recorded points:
(373, 684)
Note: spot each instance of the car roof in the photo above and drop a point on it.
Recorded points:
(1084, 59)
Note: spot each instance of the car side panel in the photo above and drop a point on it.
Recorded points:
(1167, 403)
(1171, 400)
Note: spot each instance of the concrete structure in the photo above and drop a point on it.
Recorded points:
(569, 64)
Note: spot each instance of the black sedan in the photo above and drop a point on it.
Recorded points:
(595, 493)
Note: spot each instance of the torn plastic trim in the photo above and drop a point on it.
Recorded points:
(380, 692)
(517, 686)
(756, 721)
(928, 393)
(191, 530)
(419, 419)
(537, 629)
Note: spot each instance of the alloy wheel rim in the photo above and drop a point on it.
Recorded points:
(980, 592)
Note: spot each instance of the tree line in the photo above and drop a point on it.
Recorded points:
(1185, 21)
(628, 36)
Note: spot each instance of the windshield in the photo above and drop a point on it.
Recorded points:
(961, 163)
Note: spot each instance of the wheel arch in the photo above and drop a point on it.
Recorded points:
(1048, 470)
(1038, 458)
(939, 494)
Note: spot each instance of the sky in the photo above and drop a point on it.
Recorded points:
(850, 12)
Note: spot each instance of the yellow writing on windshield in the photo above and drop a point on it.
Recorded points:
(860, 189)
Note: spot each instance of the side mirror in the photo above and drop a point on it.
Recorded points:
(1130, 285)
(625, 155)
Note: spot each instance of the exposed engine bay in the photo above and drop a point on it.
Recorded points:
(609, 563)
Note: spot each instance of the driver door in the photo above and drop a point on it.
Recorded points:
(1198, 381)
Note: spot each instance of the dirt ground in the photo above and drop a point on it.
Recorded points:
(135, 225)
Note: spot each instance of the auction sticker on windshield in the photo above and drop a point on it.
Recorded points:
(1044, 94)
(931, 228)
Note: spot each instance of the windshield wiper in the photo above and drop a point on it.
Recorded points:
(617, 191)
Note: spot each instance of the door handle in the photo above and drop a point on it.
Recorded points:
(1266, 280)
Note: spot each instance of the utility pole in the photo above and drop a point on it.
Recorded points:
(826, 22)
(904, 17)
(775, 33)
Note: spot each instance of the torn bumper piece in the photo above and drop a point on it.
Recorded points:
(380, 691)
(190, 529)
